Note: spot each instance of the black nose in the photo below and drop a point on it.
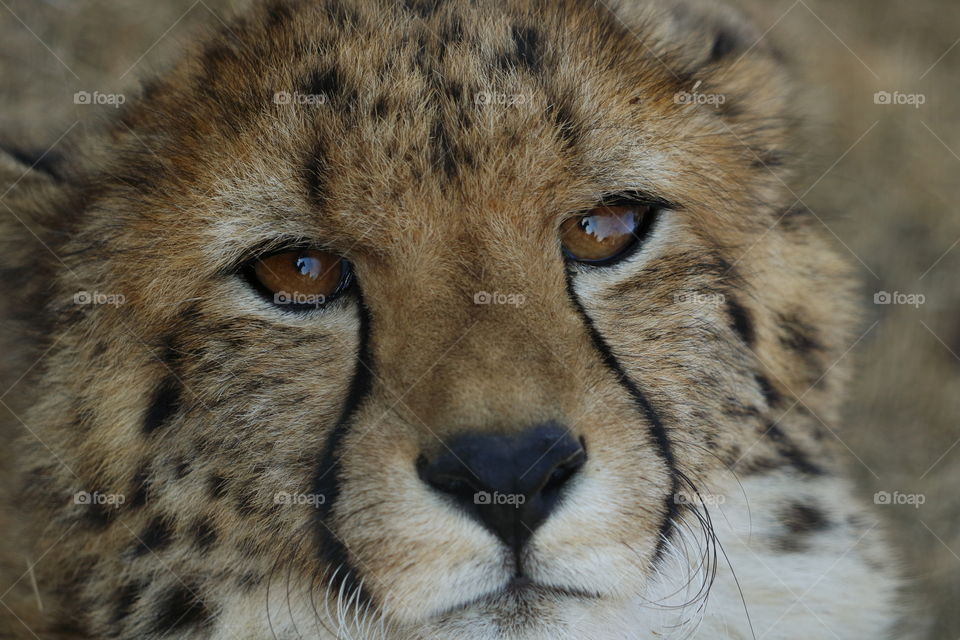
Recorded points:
(509, 483)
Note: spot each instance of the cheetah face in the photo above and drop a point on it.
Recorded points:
(433, 314)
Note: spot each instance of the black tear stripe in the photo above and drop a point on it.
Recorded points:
(327, 482)
(657, 429)
(724, 44)
(180, 609)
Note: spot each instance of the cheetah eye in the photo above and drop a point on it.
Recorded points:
(606, 233)
(299, 278)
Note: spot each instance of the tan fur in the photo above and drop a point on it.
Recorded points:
(433, 198)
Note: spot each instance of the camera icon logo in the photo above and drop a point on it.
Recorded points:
(482, 497)
(883, 97)
(482, 297)
(882, 497)
(882, 297)
(282, 97)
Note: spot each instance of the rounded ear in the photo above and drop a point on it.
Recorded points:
(34, 214)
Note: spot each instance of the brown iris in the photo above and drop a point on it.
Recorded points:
(301, 277)
(604, 233)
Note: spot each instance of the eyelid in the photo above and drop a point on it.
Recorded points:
(634, 198)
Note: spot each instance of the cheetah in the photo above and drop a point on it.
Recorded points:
(437, 320)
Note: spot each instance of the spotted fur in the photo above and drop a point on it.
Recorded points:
(701, 373)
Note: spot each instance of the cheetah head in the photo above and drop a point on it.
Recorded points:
(422, 320)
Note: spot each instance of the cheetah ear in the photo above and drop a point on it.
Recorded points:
(35, 200)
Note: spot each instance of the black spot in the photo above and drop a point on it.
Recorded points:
(323, 82)
(526, 41)
(794, 218)
(180, 468)
(315, 176)
(801, 518)
(453, 31)
(774, 433)
(723, 45)
(770, 394)
(798, 336)
(204, 534)
(179, 609)
(566, 123)
(124, 600)
(792, 454)
(423, 8)
(155, 537)
(730, 109)
(342, 14)
(166, 402)
(443, 150)
(740, 321)
(217, 486)
(140, 491)
(99, 516)
(800, 460)
(278, 13)
(380, 108)
(768, 159)
(245, 503)
(249, 580)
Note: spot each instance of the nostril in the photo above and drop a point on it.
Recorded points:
(446, 478)
(451, 485)
(564, 471)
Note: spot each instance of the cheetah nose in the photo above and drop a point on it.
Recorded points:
(509, 483)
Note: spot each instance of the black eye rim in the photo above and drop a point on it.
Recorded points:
(247, 272)
(653, 208)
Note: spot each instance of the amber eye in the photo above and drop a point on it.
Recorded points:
(300, 278)
(605, 233)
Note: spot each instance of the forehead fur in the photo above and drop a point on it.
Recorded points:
(391, 121)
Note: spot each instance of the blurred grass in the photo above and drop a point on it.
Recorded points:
(891, 200)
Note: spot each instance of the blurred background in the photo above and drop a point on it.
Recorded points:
(883, 80)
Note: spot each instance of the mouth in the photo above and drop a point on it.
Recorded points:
(520, 590)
